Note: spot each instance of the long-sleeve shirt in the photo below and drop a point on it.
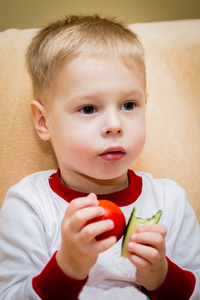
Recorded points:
(30, 235)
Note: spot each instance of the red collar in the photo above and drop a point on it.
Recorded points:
(122, 198)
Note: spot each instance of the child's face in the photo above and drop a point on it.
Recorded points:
(97, 118)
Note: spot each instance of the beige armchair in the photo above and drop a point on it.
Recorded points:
(173, 110)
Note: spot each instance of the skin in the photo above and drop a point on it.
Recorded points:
(147, 253)
(98, 104)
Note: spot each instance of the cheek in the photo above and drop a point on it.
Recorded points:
(82, 135)
(76, 145)
(70, 136)
(137, 138)
(138, 131)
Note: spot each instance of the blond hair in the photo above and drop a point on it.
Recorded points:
(75, 35)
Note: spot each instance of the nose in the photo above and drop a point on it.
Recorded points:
(112, 125)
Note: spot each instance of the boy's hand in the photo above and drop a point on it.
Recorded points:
(147, 253)
(79, 248)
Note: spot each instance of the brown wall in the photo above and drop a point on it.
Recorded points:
(35, 13)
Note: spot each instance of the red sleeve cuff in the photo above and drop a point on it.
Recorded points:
(178, 284)
(52, 283)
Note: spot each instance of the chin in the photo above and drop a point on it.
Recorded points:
(110, 174)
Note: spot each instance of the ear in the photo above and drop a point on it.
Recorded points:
(39, 116)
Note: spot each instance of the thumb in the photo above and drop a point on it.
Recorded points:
(92, 196)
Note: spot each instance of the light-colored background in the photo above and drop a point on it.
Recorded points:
(36, 13)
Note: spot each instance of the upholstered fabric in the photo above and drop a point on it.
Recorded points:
(172, 148)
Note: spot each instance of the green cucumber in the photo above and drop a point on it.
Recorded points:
(133, 224)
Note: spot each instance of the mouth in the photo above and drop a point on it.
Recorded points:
(113, 154)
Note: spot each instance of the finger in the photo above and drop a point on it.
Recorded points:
(152, 239)
(158, 228)
(138, 261)
(143, 253)
(79, 203)
(83, 215)
(89, 232)
(103, 245)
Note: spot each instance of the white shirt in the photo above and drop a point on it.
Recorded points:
(30, 222)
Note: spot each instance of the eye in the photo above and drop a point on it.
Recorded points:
(89, 109)
(128, 105)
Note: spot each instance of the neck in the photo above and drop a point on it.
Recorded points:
(85, 184)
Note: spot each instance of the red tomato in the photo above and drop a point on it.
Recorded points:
(114, 213)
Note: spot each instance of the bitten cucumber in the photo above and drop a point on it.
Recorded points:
(133, 224)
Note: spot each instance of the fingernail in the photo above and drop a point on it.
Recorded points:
(111, 223)
(130, 246)
(94, 197)
(133, 237)
(102, 211)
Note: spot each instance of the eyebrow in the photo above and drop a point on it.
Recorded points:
(85, 97)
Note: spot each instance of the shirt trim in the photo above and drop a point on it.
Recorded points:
(122, 198)
(52, 283)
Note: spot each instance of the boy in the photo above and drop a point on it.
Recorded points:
(89, 86)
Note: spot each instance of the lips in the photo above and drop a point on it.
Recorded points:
(113, 154)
